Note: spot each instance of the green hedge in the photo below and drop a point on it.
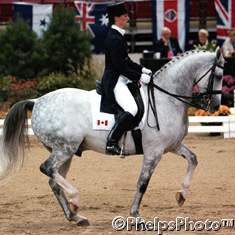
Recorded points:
(67, 48)
(63, 48)
(20, 51)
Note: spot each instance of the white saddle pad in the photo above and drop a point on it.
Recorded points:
(105, 121)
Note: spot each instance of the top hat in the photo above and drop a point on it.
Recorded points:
(116, 9)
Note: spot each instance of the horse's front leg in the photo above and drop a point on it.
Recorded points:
(148, 166)
(184, 151)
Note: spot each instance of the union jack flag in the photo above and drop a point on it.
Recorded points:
(92, 17)
(225, 17)
(84, 10)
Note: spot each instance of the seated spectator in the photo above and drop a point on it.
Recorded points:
(228, 49)
(203, 41)
(229, 44)
(167, 46)
(228, 90)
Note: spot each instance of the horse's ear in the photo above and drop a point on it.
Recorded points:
(217, 53)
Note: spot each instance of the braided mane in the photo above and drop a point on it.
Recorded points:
(177, 58)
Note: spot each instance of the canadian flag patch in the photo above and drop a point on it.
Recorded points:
(102, 122)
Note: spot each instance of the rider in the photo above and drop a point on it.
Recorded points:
(119, 71)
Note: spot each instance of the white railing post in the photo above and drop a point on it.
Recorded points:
(232, 126)
(226, 127)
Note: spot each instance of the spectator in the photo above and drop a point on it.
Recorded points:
(229, 44)
(203, 41)
(229, 75)
(167, 45)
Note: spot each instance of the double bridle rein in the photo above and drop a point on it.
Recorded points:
(207, 96)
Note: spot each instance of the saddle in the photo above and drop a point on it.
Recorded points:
(136, 133)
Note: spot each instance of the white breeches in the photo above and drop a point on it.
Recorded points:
(124, 97)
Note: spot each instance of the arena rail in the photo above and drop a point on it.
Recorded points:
(213, 124)
(197, 124)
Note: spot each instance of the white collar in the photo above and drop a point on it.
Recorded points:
(120, 30)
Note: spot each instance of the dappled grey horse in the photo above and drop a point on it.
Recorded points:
(62, 121)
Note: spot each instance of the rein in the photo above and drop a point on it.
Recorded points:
(184, 99)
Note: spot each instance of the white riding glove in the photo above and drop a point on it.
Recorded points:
(147, 71)
(145, 78)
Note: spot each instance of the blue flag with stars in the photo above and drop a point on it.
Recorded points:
(92, 17)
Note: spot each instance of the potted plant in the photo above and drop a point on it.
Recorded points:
(5, 83)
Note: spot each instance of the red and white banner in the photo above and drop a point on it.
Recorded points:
(172, 14)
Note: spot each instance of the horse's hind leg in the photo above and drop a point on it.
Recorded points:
(184, 151)
(60, 196)
(56, 167)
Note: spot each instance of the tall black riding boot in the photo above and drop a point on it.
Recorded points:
(124, 123)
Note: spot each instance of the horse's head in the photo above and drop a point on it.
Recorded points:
(211, 83)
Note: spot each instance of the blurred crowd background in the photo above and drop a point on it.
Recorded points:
(50, 44)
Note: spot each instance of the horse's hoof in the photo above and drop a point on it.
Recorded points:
(180, 198)
(82, 221)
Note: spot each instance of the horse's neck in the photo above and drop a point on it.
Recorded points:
(179, 77)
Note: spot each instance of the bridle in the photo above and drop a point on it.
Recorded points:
(205, 96)
(208, 94)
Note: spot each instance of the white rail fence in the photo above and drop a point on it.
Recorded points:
(213, 124)
(197, 124)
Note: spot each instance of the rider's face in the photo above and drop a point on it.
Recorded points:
(121, 21)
